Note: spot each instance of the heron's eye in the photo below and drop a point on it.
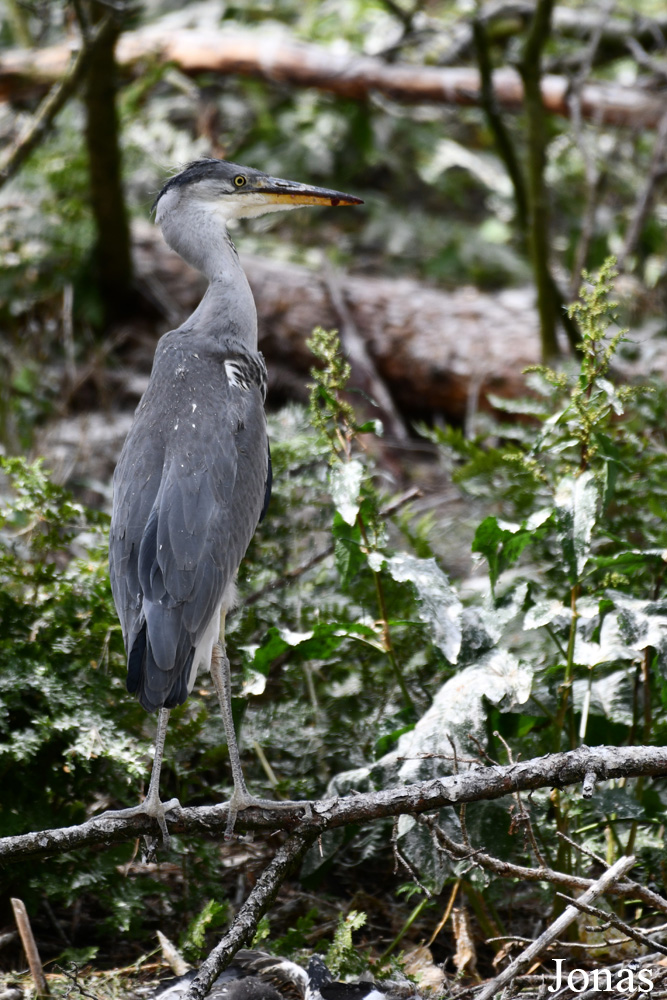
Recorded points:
(239, 180)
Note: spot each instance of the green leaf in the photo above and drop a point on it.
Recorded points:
(371, 427)
(576, 500)
(348, 555)
(386, 743)
(343, 958)
(611, 455)
(213, 915)
(501, 543)
(318, 643)
(439, 605)
(345, 480)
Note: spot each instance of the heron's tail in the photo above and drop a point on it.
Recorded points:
(154, 687)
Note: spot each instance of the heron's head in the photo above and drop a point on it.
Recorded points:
(229, 191)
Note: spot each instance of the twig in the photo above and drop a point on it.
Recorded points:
(73, 976)
(244, 927)
(506, 869)
(53, 103)
(641, 937)
(400, 859)
(610, 877)
(30, 947)
(579, 847)
(641, 56)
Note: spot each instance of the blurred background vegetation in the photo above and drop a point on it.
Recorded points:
(560, 495)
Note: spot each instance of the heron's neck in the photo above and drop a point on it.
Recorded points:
(227, 310)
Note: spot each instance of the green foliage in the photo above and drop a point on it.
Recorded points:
(578, 530)
(371, 665)
(194, 940)
(342, 957)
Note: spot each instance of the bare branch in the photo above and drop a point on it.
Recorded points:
(610, 877)
(641, 937)
(505, 869)
(484, 783)
(245, 924)
(642, 208)
(53, 103)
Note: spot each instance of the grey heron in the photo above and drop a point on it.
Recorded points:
(194, 476)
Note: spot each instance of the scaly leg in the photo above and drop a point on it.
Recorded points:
(152, 806)
(241, 798)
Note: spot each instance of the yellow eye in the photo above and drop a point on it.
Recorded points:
(239, 180)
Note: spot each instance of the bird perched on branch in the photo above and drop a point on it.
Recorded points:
(194, 476)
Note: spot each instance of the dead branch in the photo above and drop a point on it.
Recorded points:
(30, 947)
(506, 869)
(256, 905)
(641, 937)
(610, 877)
(55, 101)
(553, 770)
(280, 59)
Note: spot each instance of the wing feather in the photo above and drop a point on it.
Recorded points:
(189, 489)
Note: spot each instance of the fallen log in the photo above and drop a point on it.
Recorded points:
(438, 352)
(273, 55)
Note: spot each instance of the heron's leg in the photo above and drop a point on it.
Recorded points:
(222, 680)
(241, 798)
(152, 805)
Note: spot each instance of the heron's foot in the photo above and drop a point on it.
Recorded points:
(151, 806)
(241, 800)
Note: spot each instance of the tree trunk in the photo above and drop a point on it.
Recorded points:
(113, 258)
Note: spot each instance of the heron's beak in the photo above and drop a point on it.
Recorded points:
(275, 191)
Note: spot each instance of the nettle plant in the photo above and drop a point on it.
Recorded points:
(356, 662)
(575, 546)
(569, 644)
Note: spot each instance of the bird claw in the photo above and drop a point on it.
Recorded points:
(240, 802)
(157, 810)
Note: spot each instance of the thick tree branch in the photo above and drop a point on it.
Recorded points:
(553, 770)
